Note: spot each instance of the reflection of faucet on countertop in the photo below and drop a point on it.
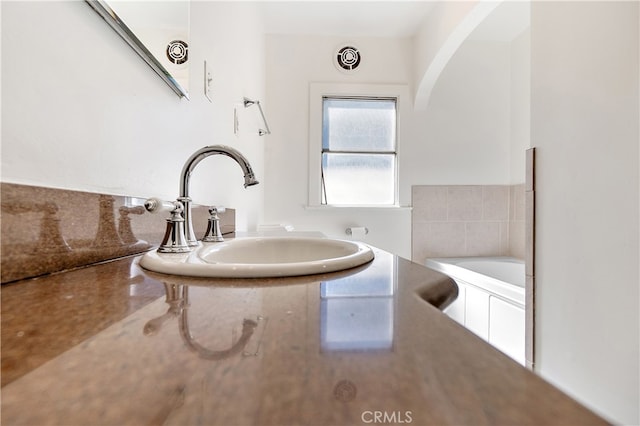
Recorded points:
(107, 234)
(124, 223)
(110, 236)
(175, 300)
(50, 237)
(177, 297)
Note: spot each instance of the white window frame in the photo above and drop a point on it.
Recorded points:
(318, 91)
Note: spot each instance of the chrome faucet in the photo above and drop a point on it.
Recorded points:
(190, 165)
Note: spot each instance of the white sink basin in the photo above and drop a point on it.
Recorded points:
(260, 257)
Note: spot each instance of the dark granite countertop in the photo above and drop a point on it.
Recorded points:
(114, 344)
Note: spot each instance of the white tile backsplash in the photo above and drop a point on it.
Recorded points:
(429, 203)
(464, 203)
(495, 203)
(467, 220)
(483, 239)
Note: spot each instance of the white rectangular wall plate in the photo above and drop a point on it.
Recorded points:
(236, 123)
(208, 78)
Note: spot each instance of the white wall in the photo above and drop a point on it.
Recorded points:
(443, 31)
(80, 110)
(520, 101)
(584, 123)
(465, 132)
(236, 54)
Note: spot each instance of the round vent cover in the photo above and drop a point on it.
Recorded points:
(178, 52)
(348, 58)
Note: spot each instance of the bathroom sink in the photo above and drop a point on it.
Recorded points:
(260, 257)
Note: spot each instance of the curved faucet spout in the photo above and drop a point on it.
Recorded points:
(202, 153)
(190, 165)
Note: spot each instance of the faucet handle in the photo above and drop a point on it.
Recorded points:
(213, 233)
(156, 205)
(174, 240)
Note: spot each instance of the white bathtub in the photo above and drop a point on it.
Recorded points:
(502, 276)
(490, 299)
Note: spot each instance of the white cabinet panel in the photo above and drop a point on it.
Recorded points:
(506, 328)
(477, 312)
(490, 317)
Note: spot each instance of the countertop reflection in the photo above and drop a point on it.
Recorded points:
(114, 344)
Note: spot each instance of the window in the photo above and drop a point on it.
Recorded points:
(355, 134)
(358, 161)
